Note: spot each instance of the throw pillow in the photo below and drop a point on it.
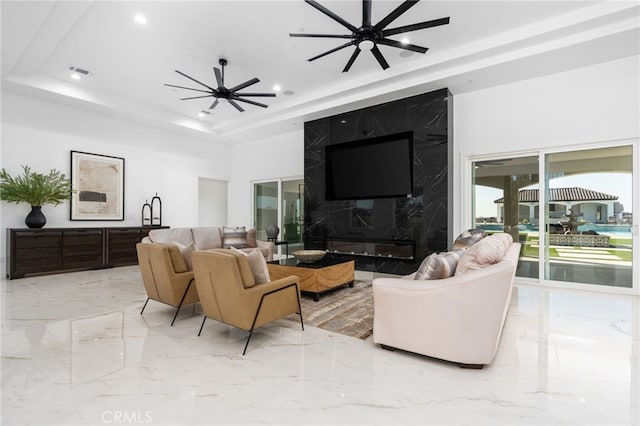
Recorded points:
(438, 265)
(234, 237)
(252, 240)
(206, 238)
(486, 252)
(468, 238)
(177, 261)
(186, 251)
(258, 265)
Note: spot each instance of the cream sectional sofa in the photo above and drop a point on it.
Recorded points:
(205, 238)
(458, 319)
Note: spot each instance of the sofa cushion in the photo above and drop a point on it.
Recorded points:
(486, 252)
(185, 252)
(234, 237)
(169, 235)
(257, 263)
(438, 265)
(207, 238)
(468, 238)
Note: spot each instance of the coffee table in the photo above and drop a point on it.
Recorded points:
(316, 278)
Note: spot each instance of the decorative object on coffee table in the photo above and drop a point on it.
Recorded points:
(36, 189)
(98, 187)
(309, 256)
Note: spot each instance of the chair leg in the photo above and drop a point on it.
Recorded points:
(181, 300)
(255, 318)
(145, 305)
(299, 307)
(205, 318)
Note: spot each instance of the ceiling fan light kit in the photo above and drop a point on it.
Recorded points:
(231, 95)
(369, 36)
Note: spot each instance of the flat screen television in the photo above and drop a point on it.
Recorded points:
(379, 167)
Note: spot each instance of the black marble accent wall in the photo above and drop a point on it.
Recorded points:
(423, 218)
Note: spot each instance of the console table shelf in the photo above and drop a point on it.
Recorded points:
(55, 250)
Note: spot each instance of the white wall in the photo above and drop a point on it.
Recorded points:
(213, 202)
(591, 104)
(41, 134)
(275, 157)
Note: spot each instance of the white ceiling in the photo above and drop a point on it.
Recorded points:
(487, 43)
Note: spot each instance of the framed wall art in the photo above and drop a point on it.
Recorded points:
(97, 182)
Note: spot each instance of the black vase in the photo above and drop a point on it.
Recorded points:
(35, 218)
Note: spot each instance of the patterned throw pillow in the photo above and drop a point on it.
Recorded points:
(468, 238)
(487, 252)
(234, 237)
(439, 265)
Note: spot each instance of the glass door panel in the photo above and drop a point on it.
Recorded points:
(265, 207)
(505, 199)
(292, 213)
(589, 197)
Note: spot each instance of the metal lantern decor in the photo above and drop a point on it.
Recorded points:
(146, 213)
(156, 211)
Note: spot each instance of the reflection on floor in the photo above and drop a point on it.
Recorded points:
(76, 351)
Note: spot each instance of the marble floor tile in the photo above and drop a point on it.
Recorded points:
(76, 351)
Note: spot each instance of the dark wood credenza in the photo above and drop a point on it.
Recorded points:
(55, 250)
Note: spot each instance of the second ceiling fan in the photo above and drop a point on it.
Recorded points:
(369, 36)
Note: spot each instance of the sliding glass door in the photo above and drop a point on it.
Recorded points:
(576, 225)
(589, 197)
(281, 203)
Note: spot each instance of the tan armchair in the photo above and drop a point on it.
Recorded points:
(165, 276)
(229, 294)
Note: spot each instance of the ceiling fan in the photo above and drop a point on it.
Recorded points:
(368, 36)
(221, 92)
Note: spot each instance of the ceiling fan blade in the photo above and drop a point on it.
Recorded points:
(352, 59)
(366, 13)
(196, 97)
(219, 79)
(331, 51)
(331, 15)
(245, 84)
(249, 101)
(214, 104)
(395, 14)
(235, 105)
(188, 88)
(393, 43)
(193, 79)
(321, 35)
(271, 95)
(376, 52)
(414, 27)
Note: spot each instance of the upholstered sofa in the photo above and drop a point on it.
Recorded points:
(458, 319)
(205, 238)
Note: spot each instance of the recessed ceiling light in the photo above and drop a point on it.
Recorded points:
(405, 40)
(140, 19)
(406, 53)
(276, 87)
(288, 92)
(76, 76)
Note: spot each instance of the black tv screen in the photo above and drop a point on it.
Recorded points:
(379, 167)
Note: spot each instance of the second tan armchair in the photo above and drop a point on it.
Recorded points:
(229, 294)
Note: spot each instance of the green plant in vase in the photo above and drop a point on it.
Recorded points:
(36, 189)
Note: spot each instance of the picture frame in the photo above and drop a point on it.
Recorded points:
(97, 184)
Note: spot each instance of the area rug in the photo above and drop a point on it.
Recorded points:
(346, 310)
